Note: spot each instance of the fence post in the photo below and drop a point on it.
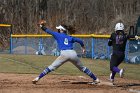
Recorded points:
(93, 48)
(26, 44)
(11, 32)
(40, 44)
(108, 50)
(11, 44)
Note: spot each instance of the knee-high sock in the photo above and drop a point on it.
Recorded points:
(113, 75)
(116, 69)
(89, 73)
(46, 71)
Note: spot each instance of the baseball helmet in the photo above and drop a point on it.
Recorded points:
(119, 26)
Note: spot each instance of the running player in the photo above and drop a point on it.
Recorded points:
(65, 44)
(118, 41)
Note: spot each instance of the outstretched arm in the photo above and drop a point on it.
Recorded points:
(42, 26)
(133, 36)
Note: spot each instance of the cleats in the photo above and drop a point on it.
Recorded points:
(110, 79)
(121, 73)
(96, 81)
(35, 80)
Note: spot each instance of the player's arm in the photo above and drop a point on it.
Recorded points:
(81, 43)
(44, 28)
(133, 36)
(110, 40)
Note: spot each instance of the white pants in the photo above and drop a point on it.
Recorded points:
(65, 56)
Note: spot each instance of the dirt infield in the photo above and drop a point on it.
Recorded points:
(21, 83)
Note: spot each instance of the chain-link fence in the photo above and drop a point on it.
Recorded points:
(96, 48)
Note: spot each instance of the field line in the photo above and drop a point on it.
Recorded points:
(27, 64)
(22, 63)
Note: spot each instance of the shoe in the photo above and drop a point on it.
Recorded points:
(110, 79)
(35, 80)
(121, 73)
(96, 81)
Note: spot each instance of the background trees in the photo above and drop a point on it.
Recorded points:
(87, 16)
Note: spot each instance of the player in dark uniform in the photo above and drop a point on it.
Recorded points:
(118, 40)
(65, 44)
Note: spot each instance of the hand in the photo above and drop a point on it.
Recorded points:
(42, 23)
(83, 50)
(136, 37)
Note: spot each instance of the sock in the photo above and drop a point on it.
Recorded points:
(113, 75)
(46, 71)
(89, 73)
(116, 69)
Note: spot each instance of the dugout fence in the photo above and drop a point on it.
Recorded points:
(96, 46)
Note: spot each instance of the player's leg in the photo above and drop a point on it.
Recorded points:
(119, 61)
(112, 76)
(86, 70)
(91, 74)
(114, 63)
(57, 63)
(114, 71)
(76, 61)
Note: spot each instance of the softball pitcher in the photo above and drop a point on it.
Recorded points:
(118, 41)
(65, 44)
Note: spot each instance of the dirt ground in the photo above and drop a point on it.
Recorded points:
(21, 83)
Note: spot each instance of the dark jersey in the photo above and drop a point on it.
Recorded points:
(118, 41)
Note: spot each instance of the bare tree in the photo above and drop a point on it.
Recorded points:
(86, 16)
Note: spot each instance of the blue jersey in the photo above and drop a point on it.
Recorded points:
(64, 41)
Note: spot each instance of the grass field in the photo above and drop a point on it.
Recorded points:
(33, 64)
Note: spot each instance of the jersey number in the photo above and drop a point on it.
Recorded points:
(66, 41)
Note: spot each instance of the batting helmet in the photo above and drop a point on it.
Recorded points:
(119, 26)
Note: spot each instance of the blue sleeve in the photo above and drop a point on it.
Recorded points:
(78, 41)
(51, 32)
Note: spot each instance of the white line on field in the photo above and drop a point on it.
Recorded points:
(35, 67)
